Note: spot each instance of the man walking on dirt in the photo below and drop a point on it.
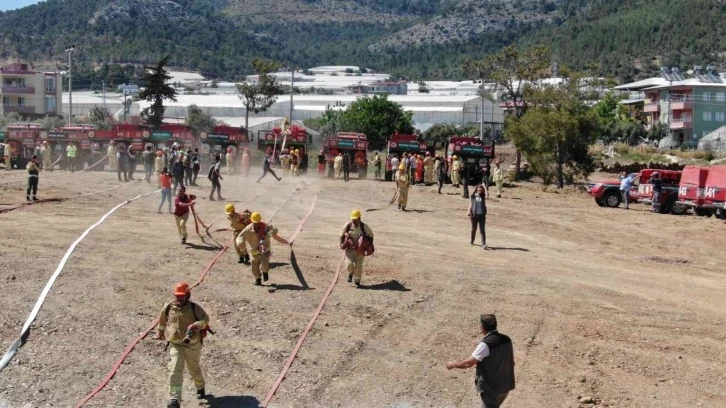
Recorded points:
(350, 241)
(188, 325)
(258, 235)
(148, 158)
(45, 153)
(346, 166)
(402, 182)
(440, 171)
(214, 176)
(121, 160)
(196, 166)
(498, 177)
(238, 222)
(182, 202)
(625, 185)
(494, 361)
(657, 184)
(266, 169)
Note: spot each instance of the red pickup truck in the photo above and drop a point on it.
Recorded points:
(715, 191)
(692, 190)
(669, 193)
(607, 192)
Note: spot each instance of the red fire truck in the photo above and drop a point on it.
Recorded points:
(356, 144)
(399, 144)
(270, 142)
(715, 191)
(221, 138)
(475, 153)
(21, 137)
(692, 190)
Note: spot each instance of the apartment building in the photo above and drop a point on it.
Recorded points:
(29, 93)
(691, 107)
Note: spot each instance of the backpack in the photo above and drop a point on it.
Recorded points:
(365, 243)
(211, 171)
(203, 333)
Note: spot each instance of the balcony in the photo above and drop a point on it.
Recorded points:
(652, 107)
(682, 123)
(17, 89)
(681, 103)
(19, 108)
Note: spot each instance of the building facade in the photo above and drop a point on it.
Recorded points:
(29, 93)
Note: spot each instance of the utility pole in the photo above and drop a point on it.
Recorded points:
(69, 50)
(481, 121)
(292, 90)
(103, 84)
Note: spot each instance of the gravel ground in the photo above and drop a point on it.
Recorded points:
(618, 307)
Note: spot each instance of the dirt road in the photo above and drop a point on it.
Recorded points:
(620, 306)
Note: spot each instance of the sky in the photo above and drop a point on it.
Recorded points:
(15, 4)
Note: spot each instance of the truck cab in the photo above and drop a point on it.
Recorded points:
(692, 190)
(669, 196)
(474, 153)
(356, 144)
(714, 195)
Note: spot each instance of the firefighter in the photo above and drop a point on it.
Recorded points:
(9, 152)
(402, 181)
(112, 158)
(428, 164)
(33, 178)
(229, 159)
(295, 163)
(350, 242)
(285, 161)
(455, 168)
(45, 153)
(337, 165)
(182, 202)
(246, 161)
(498, 177)
(159, 165)
(238, 222)
(321, 164)
(188, 325)
(377, 165)
(258, 236)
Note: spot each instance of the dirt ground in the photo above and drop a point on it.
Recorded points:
(621, 306)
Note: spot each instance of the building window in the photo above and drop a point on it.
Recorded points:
(50, 84)
(50, 104)
(6, 100)
(707, 96)
(720, 116)
(707, 117)
(721, 96)
(21, 101)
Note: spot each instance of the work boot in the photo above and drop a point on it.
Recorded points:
(246, 258)
(173, 404)
(399, 206)
(241, 259)
(357, 284)
(265, 276)
(35, 198)
(350, 278)
(201, 394)
(220, 198)
(258, 282)
(211, 198)
(184, 240)
(27, 198)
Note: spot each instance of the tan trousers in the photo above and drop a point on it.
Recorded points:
(260, 262)
(239, 244)
(47, 163)
(295, 169)
(403, 196)
(7, 162)
(113, 162)
(336, 169)
(455, 178)
(229, 168)
(429, 174)
(499, 187)
(181, 224)
(355, 264)
(180, 354)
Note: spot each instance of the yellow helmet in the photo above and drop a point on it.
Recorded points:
(255, 217)
(355, 215)
(402, 167)
(297, 151)
(454, 157)
(229, 209)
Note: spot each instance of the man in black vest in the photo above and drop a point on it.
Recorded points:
(494, 361)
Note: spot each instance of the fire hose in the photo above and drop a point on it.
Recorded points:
(96, 163)
(134, 342)
(25, 332)
(51, 200)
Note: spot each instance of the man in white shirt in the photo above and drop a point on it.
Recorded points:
(494, 361)
(394, 165)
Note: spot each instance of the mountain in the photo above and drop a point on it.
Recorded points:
(413, 38)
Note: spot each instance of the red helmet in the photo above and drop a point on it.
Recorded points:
(181, 289)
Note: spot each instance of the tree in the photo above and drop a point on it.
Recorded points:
(258, 97)
(51, 122)
(9, 119)
(199, 120)
(155, 79)
(441, 132)
(607, 108)
(375, 116)
(511, 71)
(100, 117)
(556, 131)
(423, 88)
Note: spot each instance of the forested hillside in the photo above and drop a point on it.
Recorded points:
(413, 38)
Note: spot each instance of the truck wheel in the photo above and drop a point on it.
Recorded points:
(678, 209)
(599, 202)
(611, 199)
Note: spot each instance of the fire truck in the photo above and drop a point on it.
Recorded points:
(221, 138)
(475, 153)
(21, 138)
(270, 142)
(399, 144)
(669, 192)
(714, 194)
(356, 144)
(692, 190)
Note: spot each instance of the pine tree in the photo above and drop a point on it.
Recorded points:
(157, 89)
